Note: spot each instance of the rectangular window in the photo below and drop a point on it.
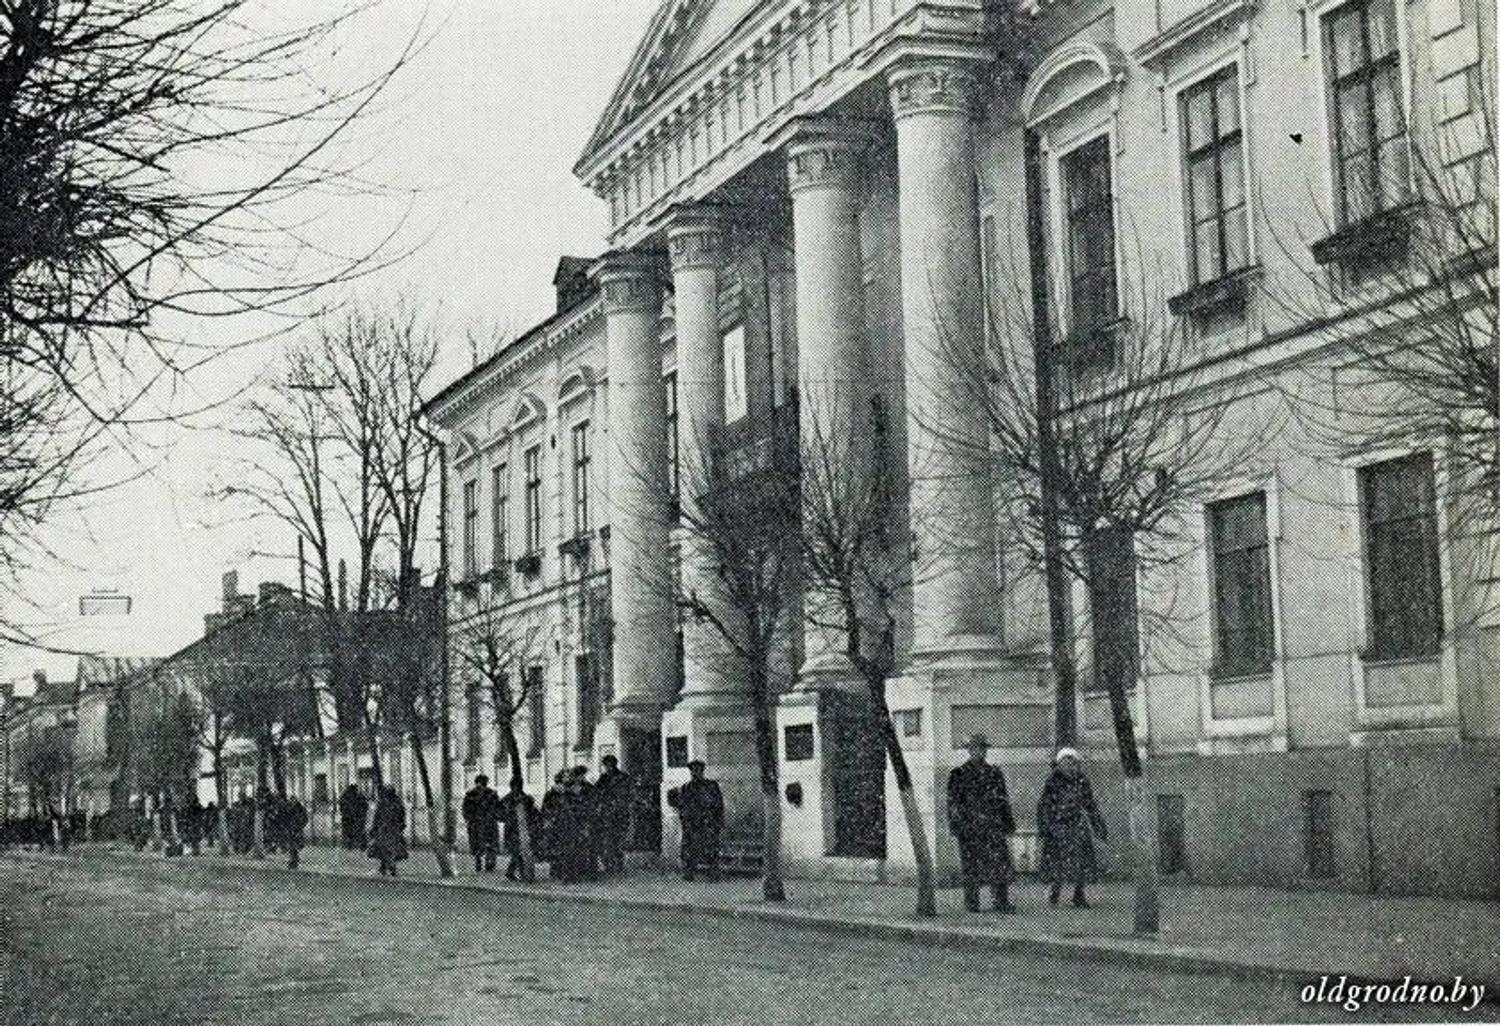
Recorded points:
(1244, 639)
(736, 398)
(799, 742)
(473, 702)
(582, 459)
(471, 528)
(910, 722)
(1318, 825)
(1399, 507)
(536, 709)
(587, 682)
(988, 257)
(500, 516)
(1213, 148)
(533, 468)
(677, 752)
(1093, 299)
(673, 453)
(1368, 125)
(1171, 833)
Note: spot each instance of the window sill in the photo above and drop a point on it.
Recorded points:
(1219, 675)
(1223, 295)
(1375, 239)
(530, 564)
(577, 546)
(1386, 659)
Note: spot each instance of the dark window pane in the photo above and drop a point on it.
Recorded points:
(1401, 553)
(1243, 613)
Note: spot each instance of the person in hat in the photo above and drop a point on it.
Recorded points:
(1067, 819)
(979, 816)
(700, 806)
(613, 794)
(481, 809)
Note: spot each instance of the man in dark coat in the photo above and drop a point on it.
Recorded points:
(1067, 818)
(353, 808)
(979, 816)
(481, 809)
(190, 822)
(511, 807)
(290, 817)
(388, 831)
(700, 806)
(613, 795)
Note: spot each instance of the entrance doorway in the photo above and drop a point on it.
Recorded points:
(640, 756)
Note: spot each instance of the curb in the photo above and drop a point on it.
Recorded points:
(1143, 954)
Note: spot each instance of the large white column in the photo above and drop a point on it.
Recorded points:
(956, 591)
(639, 553)
(695, 240)
(824, 168)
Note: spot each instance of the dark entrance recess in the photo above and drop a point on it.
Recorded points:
(857, 764)
(640, 756)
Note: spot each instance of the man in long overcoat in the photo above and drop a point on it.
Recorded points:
(353, 808)
(979, 816)
(290, 817)
(700, 805)
(1067, 818)
(511, 807)
(613, 796)
(481, 809)
(388, 831)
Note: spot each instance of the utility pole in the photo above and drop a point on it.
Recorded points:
(445, 728)
(1064, 670)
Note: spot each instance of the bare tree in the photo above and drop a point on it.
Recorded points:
(850, 557)
(164, 722)
(148, 152)
(498, 653)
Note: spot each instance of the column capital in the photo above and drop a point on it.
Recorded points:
(630, 279)
(933, 85)
(823, 152)
(695, 236)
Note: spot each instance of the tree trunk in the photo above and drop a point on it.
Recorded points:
(435, 836)
(921, 849)
(1110, 556)
(773, 888)
(523, 820)
(221, 795)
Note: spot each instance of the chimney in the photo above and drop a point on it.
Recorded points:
(274, 591)
(572, 282)
(231, 588)
(39, 678)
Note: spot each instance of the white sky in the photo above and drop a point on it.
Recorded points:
(474, 148)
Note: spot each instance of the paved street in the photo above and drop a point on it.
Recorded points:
(89, 939)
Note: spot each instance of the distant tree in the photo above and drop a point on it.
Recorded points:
(42, 760)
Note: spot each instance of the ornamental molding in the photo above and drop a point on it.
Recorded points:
(1104, 60)
(1218, 16)
(630, 281)
(945, 87)
(696, 238)
(786, 60)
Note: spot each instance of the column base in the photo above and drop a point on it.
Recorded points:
(830, 671)
(718, 728)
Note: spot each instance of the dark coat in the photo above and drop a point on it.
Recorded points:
(979, 816)
(388, 829)
(1067, 818)
(613, 796)
(481, 808)
(353, 808)
(700, 804)
(287, 819)
(508, 818)
(568, 834)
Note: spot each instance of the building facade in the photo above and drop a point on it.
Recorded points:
(817, 202)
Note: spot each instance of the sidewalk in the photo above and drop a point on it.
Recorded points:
(1235, 930)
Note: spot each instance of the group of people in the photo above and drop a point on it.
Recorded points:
(580, 830)
(49, 828)
(980, 816)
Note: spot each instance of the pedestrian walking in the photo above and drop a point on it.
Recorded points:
(980, 817)
(388, 831)
(354, 808)
(481, 809)
(614, 794)
(1067, 819)
(568, 829)
(515, 800)
(700, 807)
(552, 803)
(290, 817)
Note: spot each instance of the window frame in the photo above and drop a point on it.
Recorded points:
(470, 500)
(1064, 162)
(674, 426)
(532, 464)
(536, 709)
(1230, 69)
(1222, 667)
(1329, 84)
(500, 515)
(734, 347)
(1379, 646)
(581, 446)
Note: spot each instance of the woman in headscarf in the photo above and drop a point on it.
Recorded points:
(1067, 819)
(388, 831)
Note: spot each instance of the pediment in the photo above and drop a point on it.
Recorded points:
(1068, 76)
(681, 33)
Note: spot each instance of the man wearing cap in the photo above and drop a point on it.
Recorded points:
(481, 809)
(700, 805)
(979, 816)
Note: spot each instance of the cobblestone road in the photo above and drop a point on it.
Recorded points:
(87, 939)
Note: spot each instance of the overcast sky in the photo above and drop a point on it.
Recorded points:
(473, 149)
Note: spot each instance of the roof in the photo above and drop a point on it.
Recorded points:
(99, 670)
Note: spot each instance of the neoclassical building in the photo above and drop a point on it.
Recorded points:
(817, 202)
